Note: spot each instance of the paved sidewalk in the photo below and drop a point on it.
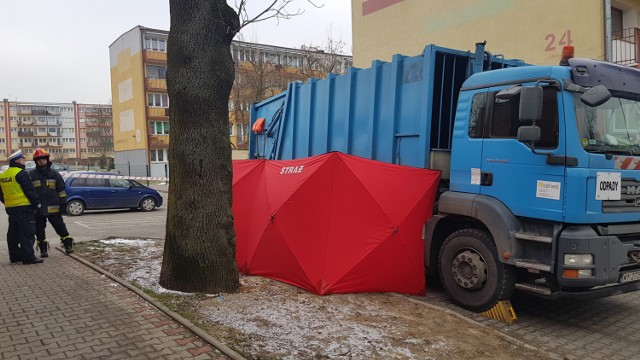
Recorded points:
(62, 309)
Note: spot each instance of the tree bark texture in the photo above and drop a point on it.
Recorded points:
(199, 252)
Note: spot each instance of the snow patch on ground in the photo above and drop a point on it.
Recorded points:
(267, 319)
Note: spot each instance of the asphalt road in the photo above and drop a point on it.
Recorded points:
(121, 223)
(94, 225)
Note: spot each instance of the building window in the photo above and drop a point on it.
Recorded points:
(156, 72)
(155, 43)
(158, 100)
(159, 127)
(159, 155)
(616, 23)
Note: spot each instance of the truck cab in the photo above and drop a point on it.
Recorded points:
(544, 166)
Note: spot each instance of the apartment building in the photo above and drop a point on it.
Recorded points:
(265, 70)
(73, 133)
(534, 31)
(141, 125)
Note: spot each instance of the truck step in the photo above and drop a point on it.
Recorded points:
(533, 288)
(532, 264)
(531, 237)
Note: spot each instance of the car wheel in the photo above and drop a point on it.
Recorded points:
(147, 204)
(75, 207)
(471, 272)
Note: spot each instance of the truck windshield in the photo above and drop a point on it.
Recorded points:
(611, 128)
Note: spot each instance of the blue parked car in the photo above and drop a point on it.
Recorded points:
(86, 193)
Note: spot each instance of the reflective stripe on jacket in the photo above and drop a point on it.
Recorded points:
(11, 190)
(50, 187)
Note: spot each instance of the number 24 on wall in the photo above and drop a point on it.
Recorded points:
(565, 39)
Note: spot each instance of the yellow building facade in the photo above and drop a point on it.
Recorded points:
(534, 31)
(138, 61)
(141, 125)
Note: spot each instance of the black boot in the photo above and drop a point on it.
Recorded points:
(68, 244)
(44, 248)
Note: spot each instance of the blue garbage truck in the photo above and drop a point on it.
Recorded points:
(540, 180)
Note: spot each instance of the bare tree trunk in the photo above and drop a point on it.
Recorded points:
(199, 253)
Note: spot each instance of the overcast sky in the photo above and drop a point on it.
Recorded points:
(58, 51)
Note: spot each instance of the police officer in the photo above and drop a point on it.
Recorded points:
(20, 200)
(50, 188)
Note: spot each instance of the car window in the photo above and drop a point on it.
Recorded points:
(97, 183)
(78, 182)
(136, 184)
(119, 183)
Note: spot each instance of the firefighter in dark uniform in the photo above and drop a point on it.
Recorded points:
(20, 201)
(50, 188)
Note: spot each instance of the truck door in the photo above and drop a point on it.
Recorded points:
(511, 171)
(466, 155)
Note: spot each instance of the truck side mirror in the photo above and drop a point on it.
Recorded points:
(596, 96)
(529, 134)
(530, 104)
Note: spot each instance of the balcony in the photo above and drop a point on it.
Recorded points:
(54, 143)
(158, 56)
(156, 84)
(38, 112)
(159, 141)
(26, 121)
(93, 134)
(93, 143)
(624, 47)
(25, 133)
(158, 113)
(25, 144)
(106, 123)
(54, 122)
(98, 113)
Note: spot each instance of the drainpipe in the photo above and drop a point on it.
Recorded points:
(7, 126)
(607, 31)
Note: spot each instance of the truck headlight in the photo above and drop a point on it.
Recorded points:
(578, 259)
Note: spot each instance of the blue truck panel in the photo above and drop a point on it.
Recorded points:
(393, 111)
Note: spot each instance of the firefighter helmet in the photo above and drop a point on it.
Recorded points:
(40, 153)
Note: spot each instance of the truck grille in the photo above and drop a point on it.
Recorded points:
(629, 200)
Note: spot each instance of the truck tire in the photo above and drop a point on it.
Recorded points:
(471, 273)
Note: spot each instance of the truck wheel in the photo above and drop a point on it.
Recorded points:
(471, 273)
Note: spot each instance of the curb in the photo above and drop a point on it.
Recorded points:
(472, 321)
(225, 350)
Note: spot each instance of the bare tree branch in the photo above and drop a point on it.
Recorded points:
(278, 9)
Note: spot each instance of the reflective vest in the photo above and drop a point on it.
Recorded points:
(12, 191)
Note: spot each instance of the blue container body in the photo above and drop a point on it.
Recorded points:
(396, 112)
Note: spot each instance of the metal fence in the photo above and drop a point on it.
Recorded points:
(624, 49)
